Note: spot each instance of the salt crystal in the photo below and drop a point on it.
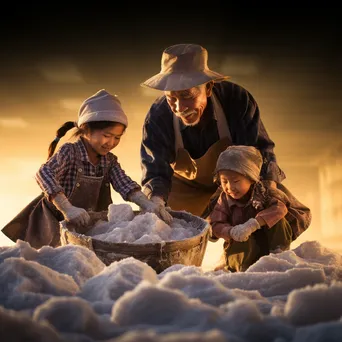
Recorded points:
(124, 226)
(120, 212)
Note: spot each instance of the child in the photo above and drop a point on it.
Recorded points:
(249, 215)
(76, 179)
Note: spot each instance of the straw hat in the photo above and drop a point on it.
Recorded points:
(183, 66)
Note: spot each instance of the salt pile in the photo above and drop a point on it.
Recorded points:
(123, 226)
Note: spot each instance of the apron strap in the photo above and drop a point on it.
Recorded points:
(80, 164)
(106, 168)
(222, 123)
(178, 136)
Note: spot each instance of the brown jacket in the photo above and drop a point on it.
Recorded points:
(261, 201)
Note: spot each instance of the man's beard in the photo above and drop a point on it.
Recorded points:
(184, 115)
(193, 123)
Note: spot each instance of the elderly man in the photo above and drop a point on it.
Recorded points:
(199, 114)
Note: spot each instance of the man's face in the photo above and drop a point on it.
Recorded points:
(189, 104)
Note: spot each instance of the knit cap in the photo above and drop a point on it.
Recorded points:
(246, 160)
(102, 106)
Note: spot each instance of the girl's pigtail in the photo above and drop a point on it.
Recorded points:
(59, 134)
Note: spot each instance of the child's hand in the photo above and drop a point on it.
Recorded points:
(76, 215)
(242, 232)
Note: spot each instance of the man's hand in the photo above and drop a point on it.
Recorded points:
(162, 211)
(156, 205)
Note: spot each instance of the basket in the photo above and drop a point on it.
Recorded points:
(159, 256)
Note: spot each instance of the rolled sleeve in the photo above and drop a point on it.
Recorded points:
(274, 213)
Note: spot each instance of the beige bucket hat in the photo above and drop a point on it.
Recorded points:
(183, 66)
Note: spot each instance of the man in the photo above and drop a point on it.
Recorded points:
(198, 116)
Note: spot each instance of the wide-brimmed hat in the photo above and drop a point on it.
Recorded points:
(102, 106)
(183, 66)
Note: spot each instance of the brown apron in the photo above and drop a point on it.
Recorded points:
(38, 222)
(193, 189)
(192, 181)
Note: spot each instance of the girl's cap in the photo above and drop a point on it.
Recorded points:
(102, 106)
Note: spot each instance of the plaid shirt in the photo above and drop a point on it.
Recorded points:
(157, 149)
(58, 174)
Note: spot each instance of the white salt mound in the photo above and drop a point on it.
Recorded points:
(124, 227)
(120, 212)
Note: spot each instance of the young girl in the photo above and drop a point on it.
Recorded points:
(76, 179)
(249, 215)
